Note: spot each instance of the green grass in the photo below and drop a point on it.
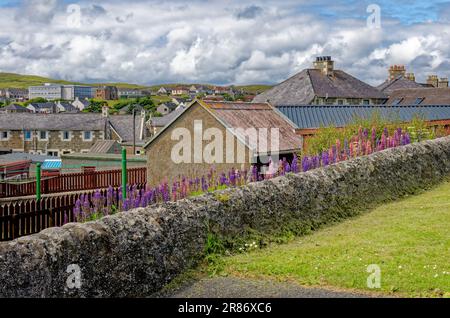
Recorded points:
(255, 89)
(409, 239)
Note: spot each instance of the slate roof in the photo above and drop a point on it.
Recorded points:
(316, 116)
(431, 96)
(123, 124)
(304, 86)
(165, 120)
(400, 82)
(68, 107)
(46, 105)
(15, 107)
(59, 121)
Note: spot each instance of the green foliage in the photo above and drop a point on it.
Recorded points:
(214, 249)
(95, 106)
(327, 136)
(35, 100)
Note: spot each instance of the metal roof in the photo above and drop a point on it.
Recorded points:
(51, 164)
(316, 116)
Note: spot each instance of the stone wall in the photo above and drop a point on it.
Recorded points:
(136, 253)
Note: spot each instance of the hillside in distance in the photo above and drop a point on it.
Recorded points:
(12, 80)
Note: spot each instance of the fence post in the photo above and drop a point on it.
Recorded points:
(124, 174)
(38, 181)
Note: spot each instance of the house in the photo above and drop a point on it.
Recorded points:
(166, 108)
(310, 118)
(155, 124)
(106, 93)
(323, 84)
(43, 108)
(162, 91)
(180, 90)
(193, 90)
(66, 107)
(123, 127)
(14, 108)
(80, 103)
(128, 109)
(62, 133)
(420, 96)
(224, 135)
(14, 94)
(399, 79)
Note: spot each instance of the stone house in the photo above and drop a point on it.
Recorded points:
(64, 133)
(14, 108)
(166, 108)
(14, 94)
(323, 84)
(224, 135)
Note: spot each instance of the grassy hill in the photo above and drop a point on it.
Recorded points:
(23, 81)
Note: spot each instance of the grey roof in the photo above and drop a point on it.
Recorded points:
(43, 105)
(15, 107)
(316, 116)
(123, 124)
(400, 82)
(106, 146)
(68, 107)
(17, 156)
(165, 120)
(304, 86)
(59, 121)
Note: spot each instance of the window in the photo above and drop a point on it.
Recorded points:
(4, 135)
(418, 100)
(366, 102)
(43, 135)
(52, 153)
(340, 102)
(27, 134)
(87, 135)
(397, 101)
(66, 135)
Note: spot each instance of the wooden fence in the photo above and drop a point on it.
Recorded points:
(88, 180)
(25, 217)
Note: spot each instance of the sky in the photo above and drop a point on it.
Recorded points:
(221, 42)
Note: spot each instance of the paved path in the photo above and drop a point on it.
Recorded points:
(224, 287)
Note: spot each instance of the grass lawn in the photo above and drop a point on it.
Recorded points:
(409, 240)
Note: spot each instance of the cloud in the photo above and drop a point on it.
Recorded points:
(249, 12)
(214, 41)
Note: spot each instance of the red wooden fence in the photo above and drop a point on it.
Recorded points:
(75, 182)
(25, 217)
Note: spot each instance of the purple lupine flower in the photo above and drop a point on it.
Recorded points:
(205, 186)
(305, 163)
(366, 133)
(325, 159)
(294, 165)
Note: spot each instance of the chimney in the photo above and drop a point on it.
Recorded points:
(396, 71)
(105, 111)
(325, 64)
(443, 82)
(410, 76)
(433, 80)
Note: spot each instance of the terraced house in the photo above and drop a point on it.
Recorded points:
(56, 134)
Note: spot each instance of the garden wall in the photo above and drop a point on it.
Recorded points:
(136, 253)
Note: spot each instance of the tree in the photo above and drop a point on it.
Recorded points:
(95, 106)
(36, 100)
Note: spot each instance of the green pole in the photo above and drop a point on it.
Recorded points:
(38, 181)
(124, 174)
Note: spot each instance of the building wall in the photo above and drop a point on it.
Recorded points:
(54, 142)
(159, 162)
(347, 101)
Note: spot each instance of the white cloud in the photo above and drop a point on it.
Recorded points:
(214, 41)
